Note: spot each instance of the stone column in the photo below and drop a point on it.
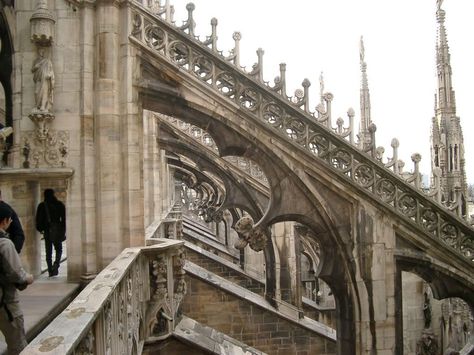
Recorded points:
(82, 251)
(375, 282)
(133, 223)
(290, 277)
(27, 196)
(107, 132)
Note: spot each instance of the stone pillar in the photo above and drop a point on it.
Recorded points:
(33, 242)
(289, 271)
(133, 223)
(107, 132)
(82, 251)
(26, 197)
(376, 281)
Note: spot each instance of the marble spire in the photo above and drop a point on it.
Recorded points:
(447, 143)
(365, 118)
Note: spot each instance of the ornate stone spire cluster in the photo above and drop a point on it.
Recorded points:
(447, 143)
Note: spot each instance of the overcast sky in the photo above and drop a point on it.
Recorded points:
(311, 36)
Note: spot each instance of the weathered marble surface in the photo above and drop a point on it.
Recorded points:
(211, 339)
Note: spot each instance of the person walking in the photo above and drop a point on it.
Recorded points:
(15, 230)
(51, 222)
(12, 278)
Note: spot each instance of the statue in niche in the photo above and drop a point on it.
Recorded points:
(427, 311)
(43, 77)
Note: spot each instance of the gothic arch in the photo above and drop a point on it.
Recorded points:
(6, 62)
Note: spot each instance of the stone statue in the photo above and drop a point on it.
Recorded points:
(439, 3)
(361, 49)
(43, 77)
(427, 311)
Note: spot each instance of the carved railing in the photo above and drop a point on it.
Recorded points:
(290, 116)
(170, 227)
(134, 300)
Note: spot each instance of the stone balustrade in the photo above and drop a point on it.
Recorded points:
(134, 300)
(170, 227)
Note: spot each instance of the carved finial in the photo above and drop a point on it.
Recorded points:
(306, 84)
(257, 68)
(212, 39)
(351, 114)
(362, 49)
(439, 3)
(189, 24)
(283, 79)
(235, 53)
(321, 88)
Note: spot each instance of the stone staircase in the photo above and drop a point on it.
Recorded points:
(223, 268)
(243, 315)
(210, 259)
(223, 297)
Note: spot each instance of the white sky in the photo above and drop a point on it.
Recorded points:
(311, 36)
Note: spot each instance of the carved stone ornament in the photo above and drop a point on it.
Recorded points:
(45, 147)
(158, 313)
(181, 287)
(428, 344)
(42, 25)
(255, 237)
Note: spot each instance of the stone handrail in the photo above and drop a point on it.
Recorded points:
(134, 300)
(293, 122)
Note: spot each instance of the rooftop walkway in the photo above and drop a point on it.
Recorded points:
(42, 301)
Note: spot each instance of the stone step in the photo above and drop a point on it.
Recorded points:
(210, 245)
(173, 346)
(223, 268)
(249, 318)
(210, 340)
(198, 227)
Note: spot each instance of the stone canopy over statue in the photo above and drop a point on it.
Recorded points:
(43, 77)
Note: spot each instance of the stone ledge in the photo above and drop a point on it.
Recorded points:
(210, 339)
(36, 174)
(213, 244)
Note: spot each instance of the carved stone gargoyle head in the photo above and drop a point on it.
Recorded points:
(255, 237)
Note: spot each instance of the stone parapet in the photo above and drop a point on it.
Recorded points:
(135, 299)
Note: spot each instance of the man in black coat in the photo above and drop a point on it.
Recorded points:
(15, 230)
(51, 222)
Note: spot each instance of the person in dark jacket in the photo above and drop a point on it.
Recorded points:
(15, 231)
(51, 222)
(12, 278)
